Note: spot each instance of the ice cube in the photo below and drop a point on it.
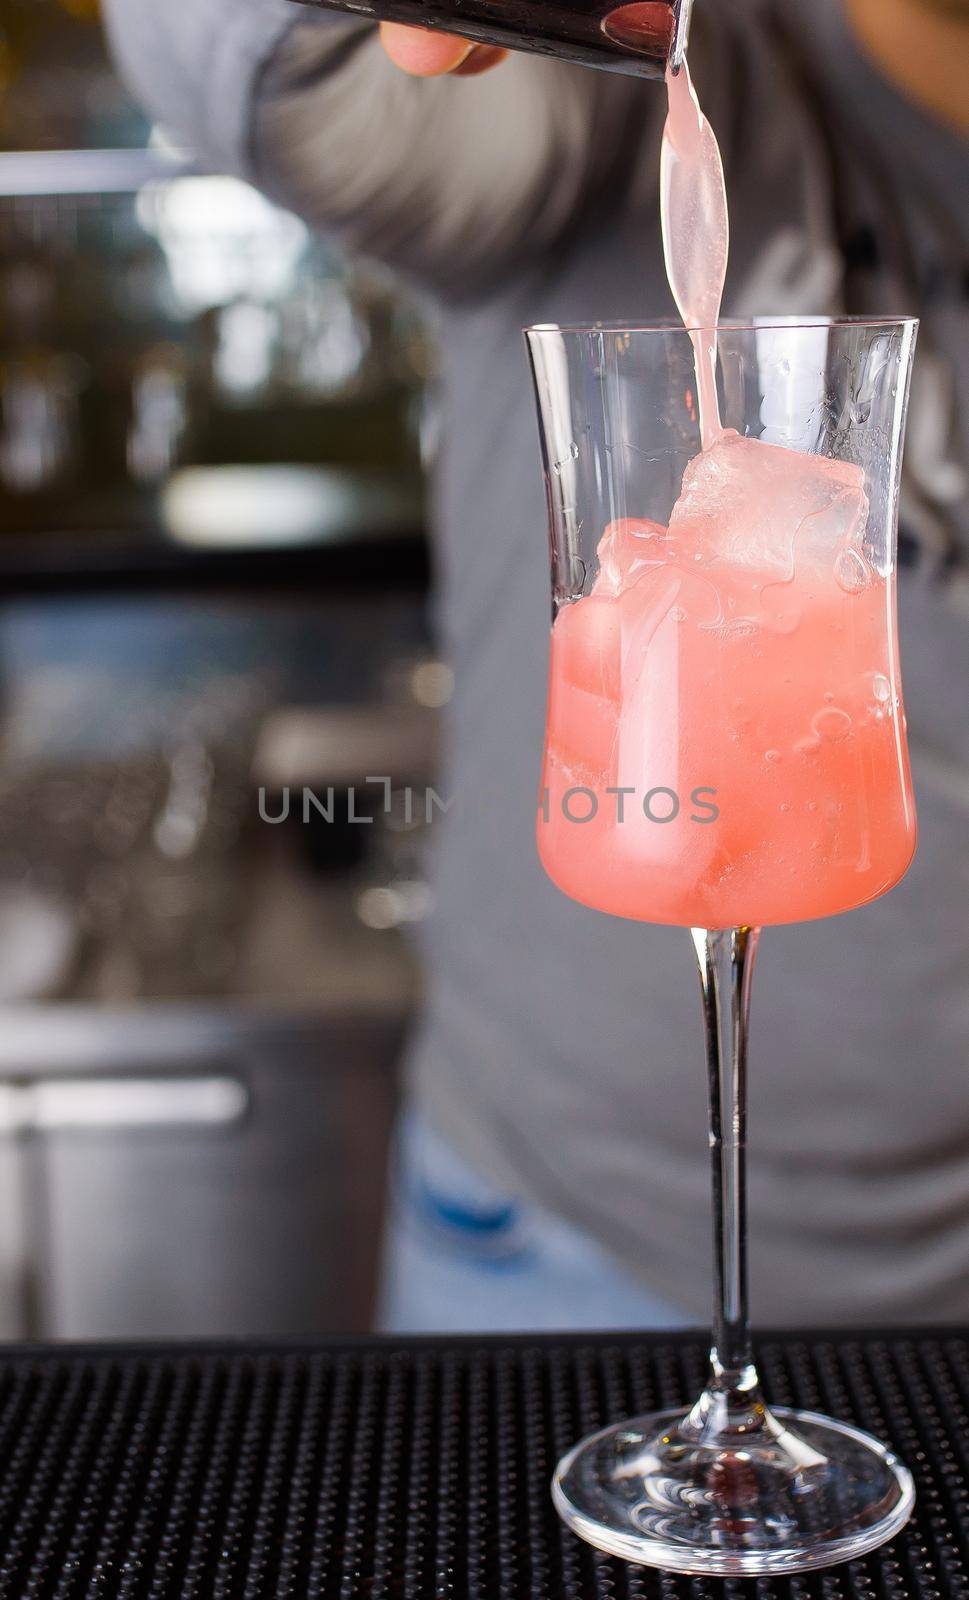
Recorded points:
(628, 546)
(587, 643)
(582, 731)
(760, 505)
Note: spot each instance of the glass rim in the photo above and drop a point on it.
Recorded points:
(766, 324)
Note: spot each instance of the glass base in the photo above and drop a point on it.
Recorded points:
(804, 1492)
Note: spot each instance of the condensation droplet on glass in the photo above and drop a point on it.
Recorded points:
(829, 696)
(573, 455)
(851, 572)
(881, 687)
(772, 756)
(579, 574)
(678, 614)
(812, 805)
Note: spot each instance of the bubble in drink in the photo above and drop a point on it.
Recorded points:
(852, 571)
(832, 723)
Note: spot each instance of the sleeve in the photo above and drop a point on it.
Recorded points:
(195, 66)
(463, 181)
(453, 180)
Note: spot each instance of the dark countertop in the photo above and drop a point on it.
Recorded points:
(419, 1469)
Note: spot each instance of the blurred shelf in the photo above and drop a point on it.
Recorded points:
(341, 745)
(32, 173)
(40, 564)
(55, 566)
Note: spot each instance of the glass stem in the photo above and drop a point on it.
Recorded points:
(732, 1401)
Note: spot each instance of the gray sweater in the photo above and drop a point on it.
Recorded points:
(561, 1049)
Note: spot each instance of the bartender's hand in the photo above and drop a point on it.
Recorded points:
(425, 53)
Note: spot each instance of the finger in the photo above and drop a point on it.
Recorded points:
(423, 53)
(482, 58)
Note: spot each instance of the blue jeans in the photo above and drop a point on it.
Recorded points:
(462, 1257)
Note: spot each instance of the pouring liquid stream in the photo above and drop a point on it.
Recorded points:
(696, 234)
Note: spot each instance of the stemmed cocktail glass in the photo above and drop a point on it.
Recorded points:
(726, 749)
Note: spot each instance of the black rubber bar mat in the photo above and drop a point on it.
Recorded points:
(419, 1470)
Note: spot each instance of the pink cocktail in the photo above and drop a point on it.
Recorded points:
(725, 741)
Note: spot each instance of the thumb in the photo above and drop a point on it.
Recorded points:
(426, 53)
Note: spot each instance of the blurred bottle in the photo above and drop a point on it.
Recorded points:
(58, 90)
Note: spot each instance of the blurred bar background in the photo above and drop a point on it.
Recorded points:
(213, 573)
